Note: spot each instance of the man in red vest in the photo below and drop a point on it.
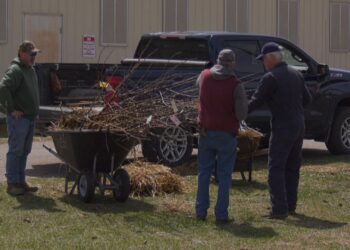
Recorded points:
(223, 104)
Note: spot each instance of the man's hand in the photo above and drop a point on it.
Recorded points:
(17, 114)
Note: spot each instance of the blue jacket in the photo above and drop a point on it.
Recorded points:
(284, 91)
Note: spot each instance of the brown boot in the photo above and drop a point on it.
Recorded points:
(15, 189)
(28, 188)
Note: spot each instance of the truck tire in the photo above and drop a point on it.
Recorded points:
(339, 139)
(171, 146)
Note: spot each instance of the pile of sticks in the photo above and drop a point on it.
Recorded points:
(166, 101)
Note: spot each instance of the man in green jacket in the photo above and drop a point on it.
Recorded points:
(19, 99)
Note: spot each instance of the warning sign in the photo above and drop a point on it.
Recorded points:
(89, 46)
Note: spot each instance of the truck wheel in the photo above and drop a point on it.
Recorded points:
(86, 187)
(171, 146)
(122, 191)
(339, 139)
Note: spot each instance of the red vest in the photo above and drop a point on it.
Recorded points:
(217, 104)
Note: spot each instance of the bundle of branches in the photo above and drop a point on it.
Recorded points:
(148, 179)
(141, 106)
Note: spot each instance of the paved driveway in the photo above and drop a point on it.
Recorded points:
(43, 164)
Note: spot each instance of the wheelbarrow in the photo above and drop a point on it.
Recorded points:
(247, 149)
(93, 158)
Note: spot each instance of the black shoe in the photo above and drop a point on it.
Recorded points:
(274, 216)
(15, 189)
(28, 188)
(224, 221)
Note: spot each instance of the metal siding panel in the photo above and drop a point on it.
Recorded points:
(108, 21)
(263, 17)
(242, 15)
(121, 22)
(182, 15)
(230, 15)
(169, 15)
(3, 21)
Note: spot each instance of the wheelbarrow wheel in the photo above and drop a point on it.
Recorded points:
(122, 191)
(86, 187)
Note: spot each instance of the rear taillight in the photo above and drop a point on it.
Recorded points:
(114, 81)
(111, 98)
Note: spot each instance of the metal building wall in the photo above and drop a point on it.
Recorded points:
(83, 17)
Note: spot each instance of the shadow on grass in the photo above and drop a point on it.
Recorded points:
(315, 223)
(246, 187)
(103, 205)
(246, 230)
(47, 170)
(34, 202)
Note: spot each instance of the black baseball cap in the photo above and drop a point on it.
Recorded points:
(269, 48)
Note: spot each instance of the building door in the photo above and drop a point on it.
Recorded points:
(46, 32)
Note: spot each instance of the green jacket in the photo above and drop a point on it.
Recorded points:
(19, 90)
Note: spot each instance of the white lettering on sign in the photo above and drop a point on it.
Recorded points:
(89, 46)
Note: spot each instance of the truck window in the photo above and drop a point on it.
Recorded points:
(173, 48)
(246, 52)
(294, 60)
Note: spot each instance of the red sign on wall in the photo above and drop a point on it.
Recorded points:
(89, 46)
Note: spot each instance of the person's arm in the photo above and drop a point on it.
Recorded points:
(307, 98)
(241, 102)
(263, 93)
(8, 86)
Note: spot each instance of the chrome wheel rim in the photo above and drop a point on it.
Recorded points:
(173, 144)
(83, 185)
(345, 133)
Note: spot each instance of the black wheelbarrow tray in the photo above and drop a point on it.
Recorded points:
(94, 157)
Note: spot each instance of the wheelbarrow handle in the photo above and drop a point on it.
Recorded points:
(52, 151)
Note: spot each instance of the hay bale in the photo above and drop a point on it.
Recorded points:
(248, 141)
(147, 179)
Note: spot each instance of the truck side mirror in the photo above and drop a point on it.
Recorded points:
(323, 69)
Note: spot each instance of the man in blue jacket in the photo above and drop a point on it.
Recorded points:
(284, 91)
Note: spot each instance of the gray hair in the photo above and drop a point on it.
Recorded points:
(277, 54)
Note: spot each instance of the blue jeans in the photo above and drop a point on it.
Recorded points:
(221, 147)
(20, 138)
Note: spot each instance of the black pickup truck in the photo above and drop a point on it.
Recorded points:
(327, 117)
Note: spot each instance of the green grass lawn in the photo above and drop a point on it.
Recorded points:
(51, 219)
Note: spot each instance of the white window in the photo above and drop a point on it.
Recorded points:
(288, 19)
(175, 15)
(237, 15)
(3, 21)
(114, 22)
(339, 27)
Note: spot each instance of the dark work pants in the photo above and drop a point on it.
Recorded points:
(284, 168)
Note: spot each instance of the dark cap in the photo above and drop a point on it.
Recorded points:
(226, 55)
(28, 47)
(269, 48)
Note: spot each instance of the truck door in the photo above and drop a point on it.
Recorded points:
(250, 71)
